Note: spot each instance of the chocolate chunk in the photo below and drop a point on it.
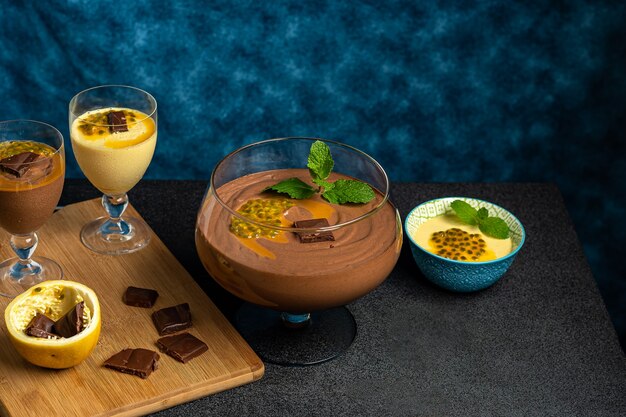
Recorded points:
(41, 326)
(183, 346)
(140, 297)
(312, 237)
(38, 169)
(117, 121)
(139, 362)
(18, 165)
(71, 323)
(26, 165)
(172, 319)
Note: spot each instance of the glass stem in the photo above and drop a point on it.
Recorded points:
(115, 207)
(24, 246)
(295, 321)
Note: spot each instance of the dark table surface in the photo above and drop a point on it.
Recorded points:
(537, 343)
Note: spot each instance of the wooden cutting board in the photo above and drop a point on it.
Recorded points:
(89, 389)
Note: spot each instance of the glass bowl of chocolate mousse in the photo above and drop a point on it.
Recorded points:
(298, 228)
(32, 173)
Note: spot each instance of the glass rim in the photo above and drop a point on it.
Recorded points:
(119, 86)
(330, 228)
(57, 131)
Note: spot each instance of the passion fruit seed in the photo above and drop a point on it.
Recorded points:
(16, 147)
(262, 210)
(458, 244)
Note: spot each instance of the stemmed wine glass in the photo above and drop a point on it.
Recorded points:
(113, 130)
(275, 253)
(32, 171)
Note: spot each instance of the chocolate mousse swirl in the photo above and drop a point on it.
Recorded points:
(353, 242)
(361, 255)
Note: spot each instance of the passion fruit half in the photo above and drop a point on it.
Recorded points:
(53, 299)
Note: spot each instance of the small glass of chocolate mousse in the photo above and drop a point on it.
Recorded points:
(32, 171)
(298, 228)
(113, 129)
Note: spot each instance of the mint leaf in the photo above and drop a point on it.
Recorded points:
(320, 164)
(296, 188)
(465, 212)
(494, 227)
(349, 191)
(332, 197)
(323, 183)
(320, 161)
(491, 226)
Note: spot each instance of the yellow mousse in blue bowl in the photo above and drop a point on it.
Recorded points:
(463, 244)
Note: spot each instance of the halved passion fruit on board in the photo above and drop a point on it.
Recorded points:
(62, 308)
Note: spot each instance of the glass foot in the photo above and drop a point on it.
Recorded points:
(115, 237)
(326, 335)
(16, 277)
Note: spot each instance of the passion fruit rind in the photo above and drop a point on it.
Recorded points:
(52, 301)
(263, 210)
(58, 353)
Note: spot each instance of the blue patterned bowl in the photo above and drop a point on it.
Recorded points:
(458, 275)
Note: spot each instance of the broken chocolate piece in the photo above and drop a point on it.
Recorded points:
(41, 326)
(183, 346)
(18, 165)
(71, 323)
(172, 319)
(312, 237)
(117, 121)
(139, 362)
(140, 297)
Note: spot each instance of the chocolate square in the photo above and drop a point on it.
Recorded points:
(312, 237)
(183, 346)
(172, 319)
(18, 165)
(71, 323)
(41, 326)
(117, 121)
(139, 362)
(140, 297)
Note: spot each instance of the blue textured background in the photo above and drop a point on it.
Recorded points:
(436, 91)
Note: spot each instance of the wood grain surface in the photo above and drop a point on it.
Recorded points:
(89, 389)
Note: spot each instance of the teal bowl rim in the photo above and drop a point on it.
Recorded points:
(510, 255)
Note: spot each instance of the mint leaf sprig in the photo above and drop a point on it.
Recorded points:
(320, 164)
(491, 226)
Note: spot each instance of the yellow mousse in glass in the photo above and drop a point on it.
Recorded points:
(113, 160)
(450, 238)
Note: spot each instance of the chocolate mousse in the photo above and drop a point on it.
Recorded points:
(31, 181)
(279, 271)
